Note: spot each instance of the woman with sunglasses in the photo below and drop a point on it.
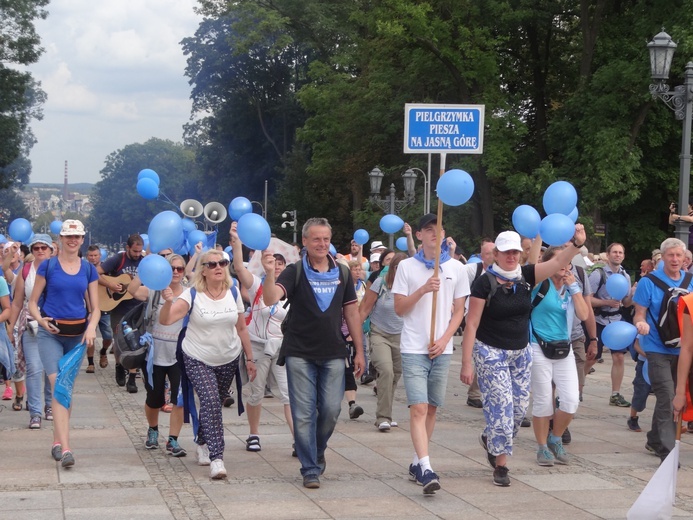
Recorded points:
(165, 365)
(215, 338)
(63, 319)
(26, 326)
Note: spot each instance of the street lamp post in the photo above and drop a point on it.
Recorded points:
(293, 222)
(391, 204)
(662, 49)
(427, 189)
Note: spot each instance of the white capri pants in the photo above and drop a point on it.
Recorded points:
(563, 373)
(267, 372)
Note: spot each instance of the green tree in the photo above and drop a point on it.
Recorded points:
(118, 210)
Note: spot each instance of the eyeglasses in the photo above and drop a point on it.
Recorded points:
(177, 269)
(165, 254)
(39, 248)
(213, 265)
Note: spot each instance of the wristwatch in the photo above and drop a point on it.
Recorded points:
(590, 340)
(572, 241)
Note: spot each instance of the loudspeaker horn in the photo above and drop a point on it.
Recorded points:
(215, 212)
(191, 208)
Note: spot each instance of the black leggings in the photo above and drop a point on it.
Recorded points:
(156, 392)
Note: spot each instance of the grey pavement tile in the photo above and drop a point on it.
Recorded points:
(104, 466)
(366, 507)
(597, 499)
(30, 500)
(32, 514)
(529, 514)
(524, 500)
(571, 481)
(287, 510)
(463, 487)
(110, 498)
(123, 512)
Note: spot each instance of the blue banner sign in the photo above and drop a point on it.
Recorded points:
(443, 128)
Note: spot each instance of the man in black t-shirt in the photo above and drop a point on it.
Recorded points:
(115, 265)
(313, 346)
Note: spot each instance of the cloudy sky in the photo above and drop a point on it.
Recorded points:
(114, 75)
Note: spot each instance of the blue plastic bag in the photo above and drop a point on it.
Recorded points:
(68, 368)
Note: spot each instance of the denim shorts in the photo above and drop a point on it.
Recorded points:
(105, 326)
(52, 347)
(425, 379)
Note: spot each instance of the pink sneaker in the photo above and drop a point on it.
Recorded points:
(8, 394)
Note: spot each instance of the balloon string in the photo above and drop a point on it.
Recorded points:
(167, 199)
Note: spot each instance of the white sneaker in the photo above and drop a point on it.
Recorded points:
(384, 426)
(203, 455)
(217, 469)
(394, 424)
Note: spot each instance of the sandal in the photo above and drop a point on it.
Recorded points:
(90, 369)
(17, 405)
(252, 443)
(103, 360)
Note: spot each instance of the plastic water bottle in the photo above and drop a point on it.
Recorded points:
(130, 337)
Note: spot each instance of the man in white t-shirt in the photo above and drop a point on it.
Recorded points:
(425, 366)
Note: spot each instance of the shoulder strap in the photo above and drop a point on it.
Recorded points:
(299, 270)
(122, 262)
(26, 269)
(581, 274)
(193, 292)
(153, 304)
(686, 280)
(602, 279)
(658, 282)
(494, 287)
(234, 289)
(479, 270)
(543, 291)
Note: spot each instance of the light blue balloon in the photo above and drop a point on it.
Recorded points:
(474, 259)
(526, 221)
(104, 254)
(333, 250)
(645, 372)
(155, 272)
(148, 174)
(391, 224)
(617, 286)
(254, 231)
(56, 226)
(20, 230)
(3, 239)
(197, 236)
(618, 335)
(361, 236)
(574, 215)
(145, 240)
(401, 244)
(188, 225)
(147, 188)
(229, 251)
(560, 197)
(556, 229)
(455, 187)
(181, 249)
(238, 207)
(165, 231)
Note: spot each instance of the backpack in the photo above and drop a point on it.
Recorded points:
(494, 286)
(667, 322)
(50, 267)
(140, 319)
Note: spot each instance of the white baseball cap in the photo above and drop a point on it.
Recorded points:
(508, 241)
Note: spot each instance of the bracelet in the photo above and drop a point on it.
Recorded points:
(574, 288)
(572, 241)
(250, 361)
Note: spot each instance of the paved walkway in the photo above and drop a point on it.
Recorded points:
(116, 477)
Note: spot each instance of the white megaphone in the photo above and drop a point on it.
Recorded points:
(191, 208)
(215, 212)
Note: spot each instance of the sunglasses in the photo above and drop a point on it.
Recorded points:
(164, 254)
(177, 269)
(39, 248)
(213, 265)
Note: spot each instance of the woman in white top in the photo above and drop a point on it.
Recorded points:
(215, 337)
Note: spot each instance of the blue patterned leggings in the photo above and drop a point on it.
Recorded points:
(504, 381)
(210, 383)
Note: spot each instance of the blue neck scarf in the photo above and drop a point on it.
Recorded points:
(430, 264)
(324, 285)
(502, 277)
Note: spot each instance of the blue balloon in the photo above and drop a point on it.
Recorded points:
(148, 174)
(391, 223)
(3, 239)
(254, 231)
(155, 272)
(165, 232)
(646, 372)
(56, 226)
(229, 251)
(474, 259)
(617, 286)
(556, 229)
(145, 240)
(333, 250)
(560, 197)
(455, 187)
(181, 249)
(617, 335)
(361, 236)
(196, 236)
(526, 221)
(239, 207)
(147, 188)
(574, 215)
(188, 225)
(402, 244)
(104, 254)
(20, 230)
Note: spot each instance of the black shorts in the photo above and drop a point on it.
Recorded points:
(156, 392)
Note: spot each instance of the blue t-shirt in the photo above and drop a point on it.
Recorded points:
(4, 288)
(64, 293)
(550, 316)
(650, 296)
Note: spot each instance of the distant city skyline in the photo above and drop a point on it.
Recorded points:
(114, 75)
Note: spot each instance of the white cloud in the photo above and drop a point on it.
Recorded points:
(114, 75)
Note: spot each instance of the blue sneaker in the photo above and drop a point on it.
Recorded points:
(414, 472)
(152, 441)
(429, 481)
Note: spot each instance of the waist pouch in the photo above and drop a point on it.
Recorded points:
(555, 349)
(71, 327)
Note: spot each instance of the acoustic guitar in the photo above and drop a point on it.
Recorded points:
(109, 299)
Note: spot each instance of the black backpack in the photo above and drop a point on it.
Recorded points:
(667, 321)
(139, 318)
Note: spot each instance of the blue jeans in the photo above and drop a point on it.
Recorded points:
(34, 371)
(316, 390)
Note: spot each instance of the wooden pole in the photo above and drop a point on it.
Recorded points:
(439, 227)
